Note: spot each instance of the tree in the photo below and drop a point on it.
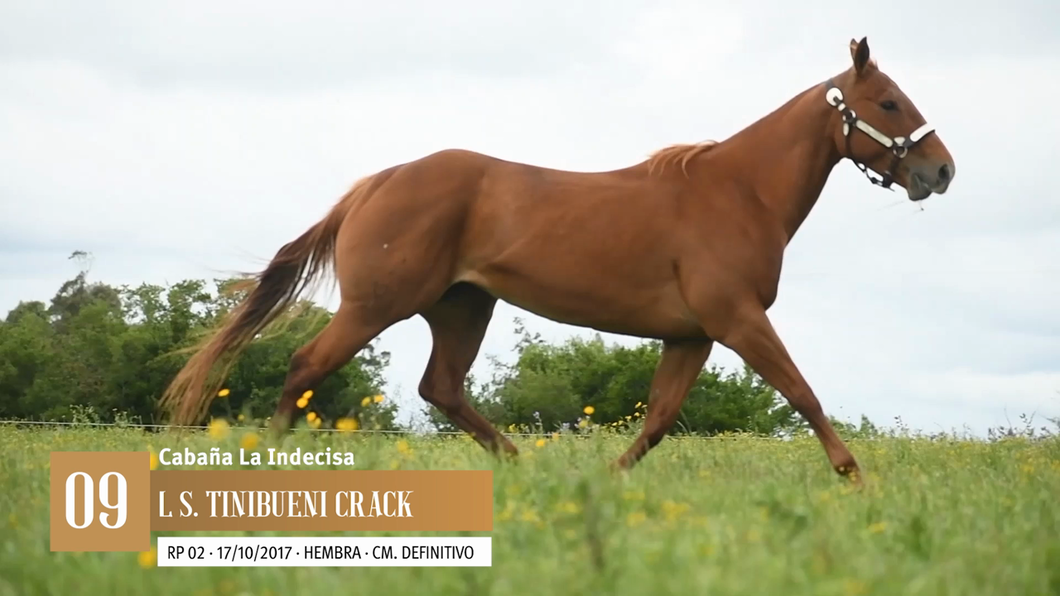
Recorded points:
(115, 349)
(478, 398)
(549, 386)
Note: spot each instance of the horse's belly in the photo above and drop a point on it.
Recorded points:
(615, 301)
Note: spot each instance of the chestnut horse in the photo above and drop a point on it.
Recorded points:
(685, 247)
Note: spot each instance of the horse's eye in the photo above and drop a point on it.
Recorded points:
(889, 105)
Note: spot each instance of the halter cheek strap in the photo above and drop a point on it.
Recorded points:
(899, 146)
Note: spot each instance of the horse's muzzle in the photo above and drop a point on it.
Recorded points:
(929, 178)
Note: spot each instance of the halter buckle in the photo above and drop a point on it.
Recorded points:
(899, 146)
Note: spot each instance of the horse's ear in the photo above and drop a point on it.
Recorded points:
(859, 53)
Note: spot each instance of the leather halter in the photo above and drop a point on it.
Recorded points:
(899, 146)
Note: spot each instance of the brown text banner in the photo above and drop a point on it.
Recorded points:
(322, 501)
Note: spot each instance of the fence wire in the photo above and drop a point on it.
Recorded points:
(363, 431)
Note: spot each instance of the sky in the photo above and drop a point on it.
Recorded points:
(189, 139)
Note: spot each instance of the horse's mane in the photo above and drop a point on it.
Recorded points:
(682, 153)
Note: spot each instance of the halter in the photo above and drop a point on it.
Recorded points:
(899, 146)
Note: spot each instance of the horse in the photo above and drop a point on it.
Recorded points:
(685, 247)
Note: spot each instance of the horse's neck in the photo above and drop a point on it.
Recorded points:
(788, 156)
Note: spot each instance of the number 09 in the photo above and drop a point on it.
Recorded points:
(90, 500)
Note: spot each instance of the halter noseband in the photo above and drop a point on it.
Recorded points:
(899, 146)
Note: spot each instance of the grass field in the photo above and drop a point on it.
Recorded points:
(722, 516)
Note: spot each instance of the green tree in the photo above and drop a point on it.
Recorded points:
(479, 399)
(115, 349)
(549, 385)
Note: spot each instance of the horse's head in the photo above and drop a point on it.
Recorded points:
(882, 130)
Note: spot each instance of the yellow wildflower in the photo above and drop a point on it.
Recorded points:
(249, 441)
(148, 558)
(241, 418)
(540, 443)
(223, 393)
(302, 402)
(347, 424)
(315, 423)
(378, 399)
(311, 416)
(308, 395)
(673, 510)
(583, 423)
(506, 514)
(589, 410)
(218, 428)
(365, 402)
(403, 446)
(569, 507)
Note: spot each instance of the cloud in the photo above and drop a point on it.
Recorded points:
(276, 46)
(190, 139)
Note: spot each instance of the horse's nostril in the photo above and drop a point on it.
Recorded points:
(944, 173)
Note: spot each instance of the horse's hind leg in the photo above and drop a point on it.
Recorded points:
(345, 334)
(680, 364)
(458, 323)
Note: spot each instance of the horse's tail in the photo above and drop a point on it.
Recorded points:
(273, 291)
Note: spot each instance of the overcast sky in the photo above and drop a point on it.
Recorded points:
(190, 138)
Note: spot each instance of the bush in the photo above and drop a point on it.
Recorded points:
(549, 386)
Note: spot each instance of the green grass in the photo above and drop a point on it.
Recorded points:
(727, 516)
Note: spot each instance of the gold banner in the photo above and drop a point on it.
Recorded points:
(322, 501)
(112, 501)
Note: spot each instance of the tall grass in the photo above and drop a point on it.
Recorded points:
(737, 515)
